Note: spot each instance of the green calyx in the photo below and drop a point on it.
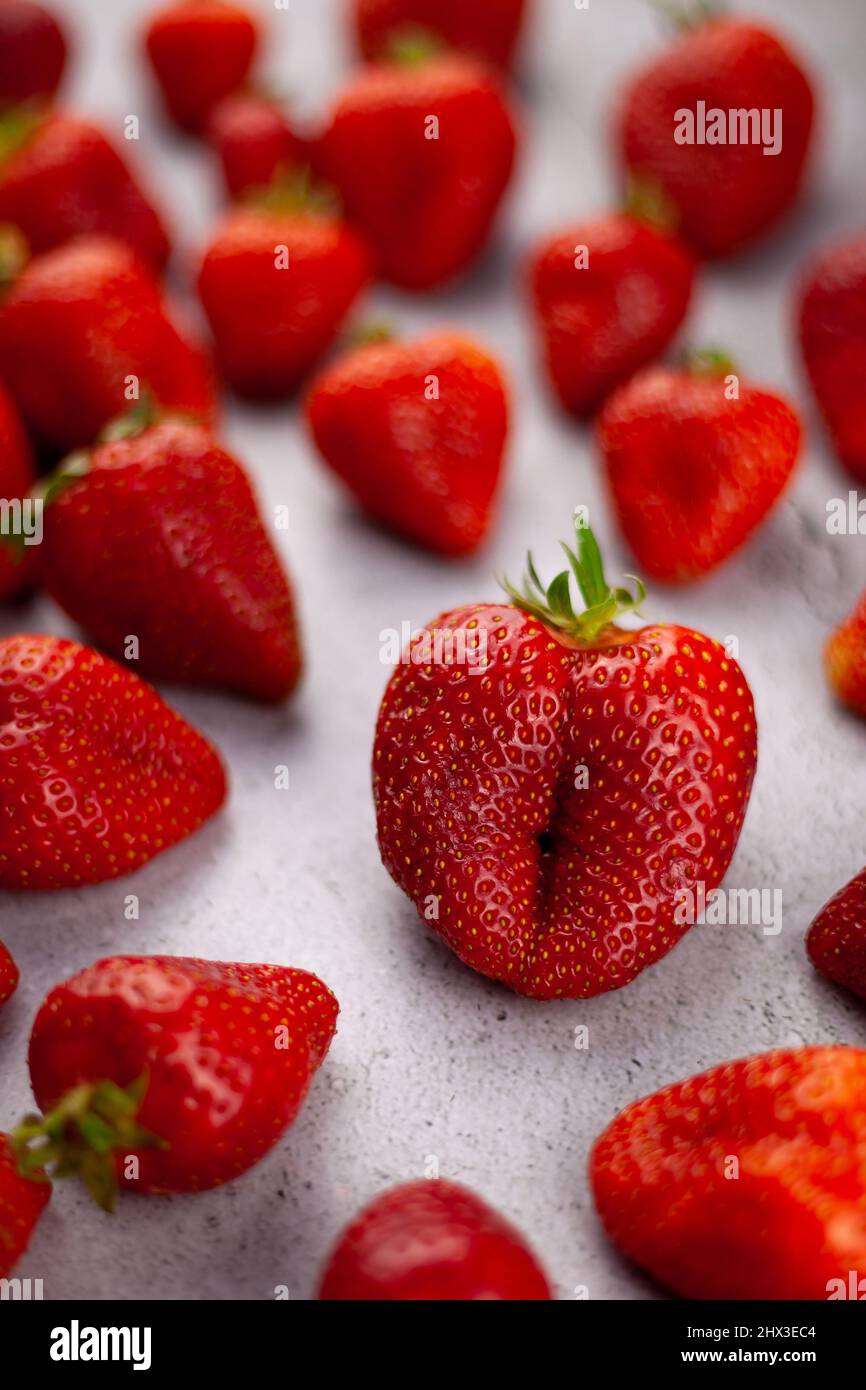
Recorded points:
(646, 201)
(17, 125)
(83, 1135)
(688, 14)
(410, 45)
(709, 362)
(553, 605)
(14, 253)
(293, 190)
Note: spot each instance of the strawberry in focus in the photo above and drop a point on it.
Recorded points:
(9, 977)
(550, 787)
(845, 659)
(19, 562)
(199, 51)
(693, 468)
(431, 1240)
(22, 1202)
(416, 431)
(194, 1068)
(832, 324)
(485, 29)
(792, 1221)
(32, 53)
(97, 774)
(254, 142)
(837, 938)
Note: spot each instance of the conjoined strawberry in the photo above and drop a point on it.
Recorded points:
(97, 774)
(548, 784)
(837, 938)
(845, 659)
(168, 1074)
(9, 974)
(22, 1202)
(486, 29)
(832, 324)
(199, 51)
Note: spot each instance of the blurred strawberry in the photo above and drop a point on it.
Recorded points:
(254, 142)
(486, 29)
(9, 978)
(845, 659)
(833, 342)
(837, 938)
(19, 563)
(200, 51)
(32, 53)
(22, 1202)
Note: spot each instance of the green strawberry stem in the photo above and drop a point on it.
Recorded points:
(293, 190)
(16, 127)
(646, 201)
(709, 362)
(410, 45)
(688, 14)
(83, 1135)
(14, 253)
(367, 334)
(553, 605)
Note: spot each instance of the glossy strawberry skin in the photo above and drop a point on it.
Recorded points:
(68, 180)
(254, 142)
(431, 1240)
(76, 324)
(559, 889)
(32, 53)
(692, 473)
(602, 322)
(271, 324)
(837, 938)
(18, 567)
(97, 775)
(22, 1202)
(485, 29)
(426, 206)
(788, 1221)
(845, 659)
(426, 468)
(9, 977)
(222, 1087)
(832, 323)
(200, 51)
(725, 195)
(163, 538)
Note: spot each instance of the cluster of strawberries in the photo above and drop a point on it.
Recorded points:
(551, 805)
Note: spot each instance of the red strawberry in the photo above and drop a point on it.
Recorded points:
(431, 1240)
(417, 433)
(158, 534)
(9, 977)
(255, 143)
(487, 29)
(84, 327)
(845, 659)
(438, 149)
(97, 775)
(833, 341)
(19, 562)
(609, 296)
(276, 287)
(692, 472)
(195, 1068)
(726, 194)
(200, 51)
(747, 1182)
(22, 1202)
(550, 788)
(32, 53)
(837, 937)
(62, 178)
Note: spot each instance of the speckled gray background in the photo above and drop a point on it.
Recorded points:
(431, 1060)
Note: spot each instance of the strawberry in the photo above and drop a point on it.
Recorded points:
(549, 787)
(22, 1202)
(97, 775)
(276, 287)
(486, 29)
(694, 470)
(832, 322)
(837, 938)
(747, 1182)
(9, 977)
(438, 148)
(82, 330)
(193, 1068)
(61, 177)
(726, 194)
(609, 296)
(845, 659)
(19, 563)
(199, 51)
(254, 142)
(32, 53)
(417, 432)
(157, 533)
(431, 1240)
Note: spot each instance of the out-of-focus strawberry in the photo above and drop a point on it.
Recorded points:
(9, 977)
(19, 562)
(22, 1202)
(486, 29)
(254, 142)
(845, 659)
(200, 51)
(32, 53)
(833, 342)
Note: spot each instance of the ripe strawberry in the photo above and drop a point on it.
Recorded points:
(254, 142)
(845, 659)
(276, 287)
(431, 1240)
(19, 563)
(837, 938)
(486, 29)
(157, 533)
(438, 149)
(195, 1068)
(747, 1182)
(726, 194)
(83, 328)
(9, 977)
(609, 296)
(32, 53)
(692, 472)
(417, 433)
(200, 51)
(60, 178)
(97, 775)
(548, 786)
(22, 1202)
(833, 341)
